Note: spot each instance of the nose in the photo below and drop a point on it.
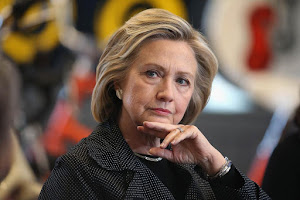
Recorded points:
(166, 91)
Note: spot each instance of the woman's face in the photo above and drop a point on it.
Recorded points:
(159, 84)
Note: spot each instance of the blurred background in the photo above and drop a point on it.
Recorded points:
(55, 45)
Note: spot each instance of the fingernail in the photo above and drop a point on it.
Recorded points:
(162, 145)
(150, 151)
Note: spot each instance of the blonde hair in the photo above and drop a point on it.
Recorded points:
(123, 47)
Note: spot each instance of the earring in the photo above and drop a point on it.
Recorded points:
(119, 93)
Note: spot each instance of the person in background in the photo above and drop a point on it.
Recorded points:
(17, 180)
(7, 104)
(153, 79)
(281, 179)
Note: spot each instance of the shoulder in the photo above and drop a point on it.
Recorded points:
(288, 148)
(82, 155)
(68, 178)
(73, 175)
(279, 168)
(78, 162)
(87, 167)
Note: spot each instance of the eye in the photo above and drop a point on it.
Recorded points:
(152, 74)
(183, 81)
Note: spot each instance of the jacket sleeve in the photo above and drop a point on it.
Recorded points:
(67, 182)
(235, 185)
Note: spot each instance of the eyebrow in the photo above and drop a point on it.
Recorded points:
(188, 74)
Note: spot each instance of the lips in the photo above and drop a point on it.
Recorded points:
(162, 111)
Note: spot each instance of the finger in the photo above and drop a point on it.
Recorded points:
(170, 137)
(152, 132)
(163, 153)
(163, 127)
(189, 133)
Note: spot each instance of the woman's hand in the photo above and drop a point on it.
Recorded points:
(189, 146)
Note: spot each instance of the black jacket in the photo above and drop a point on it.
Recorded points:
(102, 166)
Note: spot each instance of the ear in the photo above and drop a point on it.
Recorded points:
(119, 91)
(116, 86)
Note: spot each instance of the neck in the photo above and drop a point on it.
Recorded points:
(138, 142)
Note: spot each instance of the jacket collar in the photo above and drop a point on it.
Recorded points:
(109, 149)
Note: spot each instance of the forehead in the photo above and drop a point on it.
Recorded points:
(168, 54)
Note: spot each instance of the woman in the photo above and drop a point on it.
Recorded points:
(153, 79)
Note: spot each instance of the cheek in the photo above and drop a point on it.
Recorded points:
(134, 96)
(182, 104)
